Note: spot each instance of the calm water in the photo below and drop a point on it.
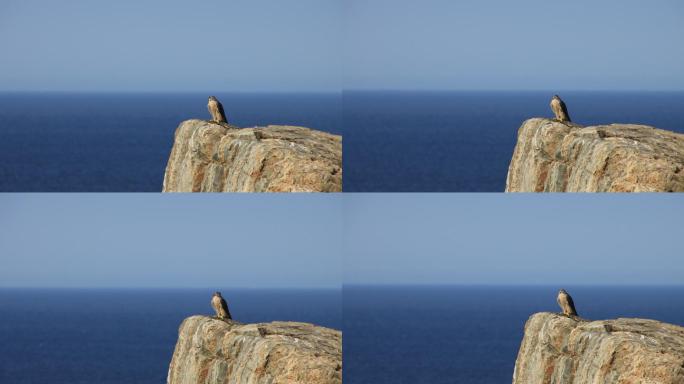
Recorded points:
(121, 142)
(126, 336)
(393, 141)
(468, 335)
(463, 141)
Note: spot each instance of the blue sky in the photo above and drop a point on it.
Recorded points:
(243, 240)
(170, 45)
(323, 45)
(518, 239)
(155, 240)
(522, 44)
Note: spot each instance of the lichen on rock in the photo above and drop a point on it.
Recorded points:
(563, 350)
(213, 351)
(560, 157)
(212, 157)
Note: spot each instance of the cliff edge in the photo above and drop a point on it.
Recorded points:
(212, 351)
(561, 350)
(213, 157)
(554, 157)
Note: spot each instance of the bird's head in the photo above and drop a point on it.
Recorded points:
(562, 291)
(212, 98)
(217, 293)
(556, 97)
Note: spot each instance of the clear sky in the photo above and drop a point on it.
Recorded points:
(521, 44)
(176, 240)
(170, 45)
(243, 240)
(518, 239)
(323, 45)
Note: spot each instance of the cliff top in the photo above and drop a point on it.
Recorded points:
(212, 157)
(560, 349)
(550, 156)
(224, 351)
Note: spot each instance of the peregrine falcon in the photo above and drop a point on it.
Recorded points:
(220, 306)
(566, 303)
(559, 109)
(216, 110)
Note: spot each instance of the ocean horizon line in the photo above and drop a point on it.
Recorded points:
(506, 90)
(168, 288)
(555, 286)
(158, 92)
(335, 92)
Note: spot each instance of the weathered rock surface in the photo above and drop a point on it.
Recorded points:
(554, 157)
(212, 351)
(558, 349)
(211, 157)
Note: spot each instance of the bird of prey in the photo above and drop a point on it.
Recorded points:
(566, 303)
(216, 110)
(559, 109)
(220, 306)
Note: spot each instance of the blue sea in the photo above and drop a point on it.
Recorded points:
(58, 142)
(463, 141)
(471, 335)
(393, 141)
(71, 336)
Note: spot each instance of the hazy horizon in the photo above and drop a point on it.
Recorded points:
(106, 240)
(340, 92)
(513, 239)
(171, 288)
(158, 45)
(526, 44)
(331, 288)
(512, 285)
(328, 45)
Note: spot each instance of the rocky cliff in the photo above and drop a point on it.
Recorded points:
(212, 157)
(211, 351)
(555, 157)
(561, 350)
